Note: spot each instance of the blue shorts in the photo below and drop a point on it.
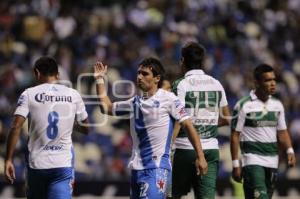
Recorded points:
(50, 183)
(149, 183)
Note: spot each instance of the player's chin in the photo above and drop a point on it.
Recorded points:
(272, 91)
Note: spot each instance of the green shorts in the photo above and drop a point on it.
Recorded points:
(259, 181)
(184, 175)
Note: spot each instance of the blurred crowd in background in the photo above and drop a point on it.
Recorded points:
(238, 35)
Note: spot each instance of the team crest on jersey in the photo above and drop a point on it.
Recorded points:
(156, 104)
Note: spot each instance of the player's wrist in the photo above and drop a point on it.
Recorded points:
(235, 163)
(290, 150)
(99, 80)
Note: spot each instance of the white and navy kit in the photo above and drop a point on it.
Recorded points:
(51, 110)
(151, 123)
(203, 97)
(258, 123)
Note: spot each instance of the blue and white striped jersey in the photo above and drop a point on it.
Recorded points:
(151, 125)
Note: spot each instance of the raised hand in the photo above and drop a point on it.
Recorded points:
(100, 70)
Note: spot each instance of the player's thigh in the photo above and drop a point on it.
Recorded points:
(61, 183)
(149, 183)
(254, 182)
(271, 178)
(205, 186)
(36, 184)
(183, 172)
(61, 189)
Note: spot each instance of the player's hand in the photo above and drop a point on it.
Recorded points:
(201, 166)
(100, 70)
(9, 171)
(291, 159)
(237, 174)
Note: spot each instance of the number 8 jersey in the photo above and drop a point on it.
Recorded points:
(51, 110)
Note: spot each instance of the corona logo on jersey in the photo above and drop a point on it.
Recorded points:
(43, 97)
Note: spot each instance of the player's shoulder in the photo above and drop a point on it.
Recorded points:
(165, 94)
(276, 101)
(213, 80)
(242, 102)
(176, 83)
(166, 97)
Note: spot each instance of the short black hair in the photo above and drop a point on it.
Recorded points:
(156, 68)
(260, 69)
(47, 66)
(193, 55)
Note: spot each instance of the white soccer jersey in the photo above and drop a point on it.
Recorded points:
(151, 124)
(203, 97)
(51, 110)
(258, 122)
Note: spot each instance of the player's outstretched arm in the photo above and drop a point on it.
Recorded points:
(234, 149)
(201, 164)
(285, 142)
(14, 134)
(100, 71)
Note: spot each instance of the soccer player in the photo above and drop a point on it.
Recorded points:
(258, 126)
(205, 101)
(151, 122)
(51, 109)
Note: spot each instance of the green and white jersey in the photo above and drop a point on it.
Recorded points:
(203, 97)
(258, 123)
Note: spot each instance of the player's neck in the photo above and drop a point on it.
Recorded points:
(48, 79)
(149, 93)
(263, 96)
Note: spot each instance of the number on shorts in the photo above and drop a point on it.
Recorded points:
(144, 189)
(52, 129)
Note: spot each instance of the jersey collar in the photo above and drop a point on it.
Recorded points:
(194, 72)
(254, 97)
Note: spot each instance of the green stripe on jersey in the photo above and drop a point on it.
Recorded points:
(265, 149)
(235, 112)
(259, 119)
(205, 131)
(175, 85)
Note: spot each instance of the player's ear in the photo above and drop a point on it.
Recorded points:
(256, 83)
(157, 79)
(37, 73)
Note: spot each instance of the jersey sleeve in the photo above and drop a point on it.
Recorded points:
(281, 125)
(81, 113)
(223, 101)
(238, 119)
(23, 105)
(122, 108)
(177, 110)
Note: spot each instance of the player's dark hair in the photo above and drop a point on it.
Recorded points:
(193, 55)
(47, 66)
(260, 69)
(156, 68)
